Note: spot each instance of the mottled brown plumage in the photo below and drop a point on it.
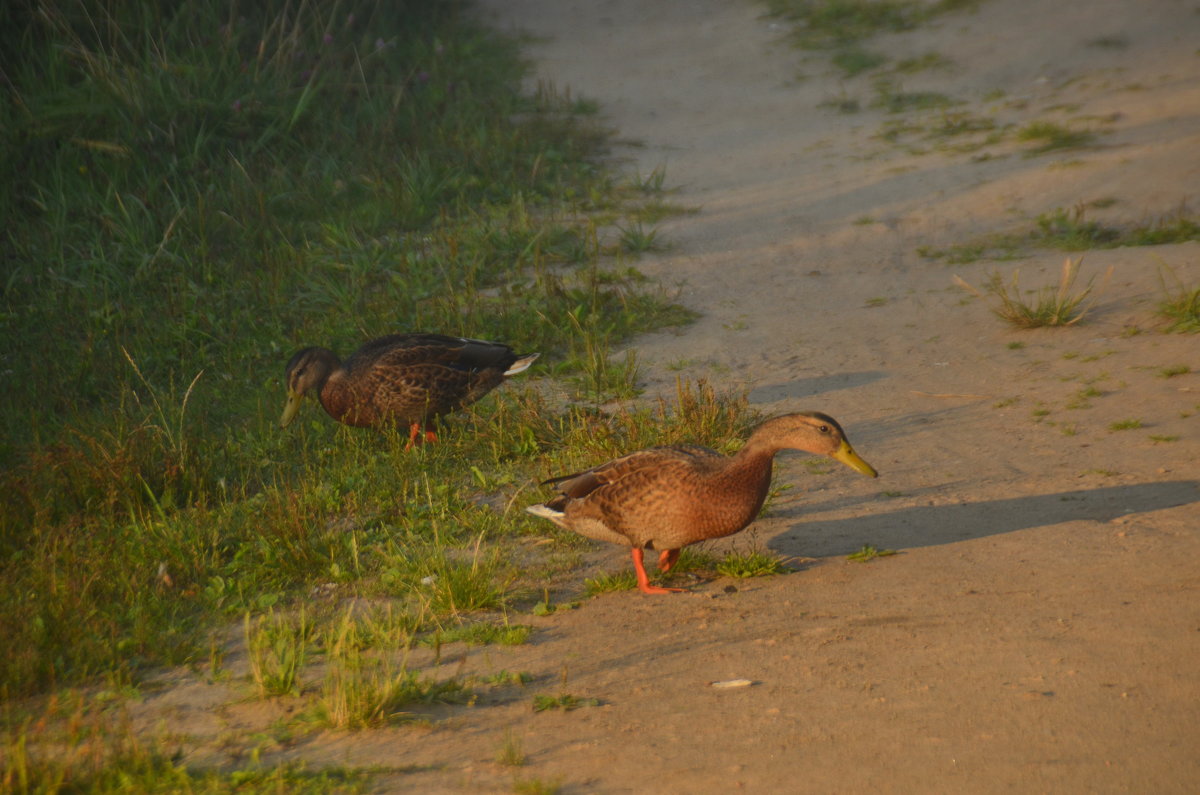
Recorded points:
(400, 378)
(665, 498)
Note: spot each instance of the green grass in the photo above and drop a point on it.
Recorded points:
(1050, 136)
(754, 563)
(563, 701)
(823, 24)
(510, 752)
(890, 97)
(484, 634)
(536, 786)
(365, 686)
(1071, 230)
(1180, 306)
(607, 582)
(189, 199)
(99, 752)
(855, 60)
(1125, 425)
(278, 647)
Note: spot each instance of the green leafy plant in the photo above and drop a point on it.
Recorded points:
(278, 647)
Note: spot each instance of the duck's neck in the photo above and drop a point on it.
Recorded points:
(330, 386)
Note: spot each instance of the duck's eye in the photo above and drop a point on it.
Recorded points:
(824, 429)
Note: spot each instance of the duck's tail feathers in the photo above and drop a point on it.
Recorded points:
(522, 363)
(546, 512)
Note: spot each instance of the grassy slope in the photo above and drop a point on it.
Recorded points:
(191, 195)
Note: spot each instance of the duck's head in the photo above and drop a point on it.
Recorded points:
(813, 432)
(306, 372)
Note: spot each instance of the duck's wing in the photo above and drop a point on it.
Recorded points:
(665, 460)
(457, 353)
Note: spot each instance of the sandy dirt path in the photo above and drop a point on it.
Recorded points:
(1040, 629)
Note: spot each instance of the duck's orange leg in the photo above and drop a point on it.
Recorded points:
(667, 559)
(416, 437)
(643, 580)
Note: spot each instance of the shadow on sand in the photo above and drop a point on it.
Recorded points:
(930, 525)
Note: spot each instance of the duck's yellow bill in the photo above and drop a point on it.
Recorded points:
(290, 409)
(847, 456)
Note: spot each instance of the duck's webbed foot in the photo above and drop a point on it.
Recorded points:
(643, 580)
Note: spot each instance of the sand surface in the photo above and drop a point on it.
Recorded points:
(1040, 629)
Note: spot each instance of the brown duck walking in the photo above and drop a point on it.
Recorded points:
(665, 498)
(400, 378)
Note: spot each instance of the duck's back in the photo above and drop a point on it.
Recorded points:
(415, 377)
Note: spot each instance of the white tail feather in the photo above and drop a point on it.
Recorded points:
(522, 364)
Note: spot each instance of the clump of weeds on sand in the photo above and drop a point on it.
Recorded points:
(1180, 305)
(752, 563)
(1063, 305)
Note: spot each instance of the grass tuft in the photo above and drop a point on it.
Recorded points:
(754, 563)
(1049, 307)
(1180, 305)
(1049, 136)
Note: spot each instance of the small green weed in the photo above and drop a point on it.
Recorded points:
(536, 786)
(839, 23)
(1071, 230)
(1082, 398)
(92, 751)
(855, 60)
(507, 678)
(636, 239)
(1049, 136)
(510, 752)
(1171, 372)
(922, 63)
(483, 634)
(892, 99)
(1164, 438)
(563, 701)
(363, 689)
(868, 553)
(1125, 425)
(278, 647)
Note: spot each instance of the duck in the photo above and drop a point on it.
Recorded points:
(400, 378)
(665, 498)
